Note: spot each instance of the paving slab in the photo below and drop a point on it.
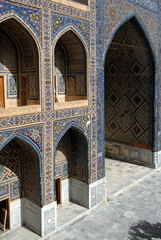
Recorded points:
(68, 212)
(120, 175)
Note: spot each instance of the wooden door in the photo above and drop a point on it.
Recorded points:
(2, 105)
(58, 190)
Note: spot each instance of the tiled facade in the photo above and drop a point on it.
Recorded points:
(44, 23)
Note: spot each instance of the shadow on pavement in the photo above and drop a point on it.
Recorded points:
(145, 230)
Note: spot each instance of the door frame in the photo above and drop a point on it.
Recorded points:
(58, 190)
(8, 212)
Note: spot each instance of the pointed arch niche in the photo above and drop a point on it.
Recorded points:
(19, 69)
(20, 183)
(71, 161)
(69, 72)
(128, 97)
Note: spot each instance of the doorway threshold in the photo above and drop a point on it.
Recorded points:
(68, 213)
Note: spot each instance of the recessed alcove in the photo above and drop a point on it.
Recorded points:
(19, 69)
(70, 72)
(71, 163)
(129, 96)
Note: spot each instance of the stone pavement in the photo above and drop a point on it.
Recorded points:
(132, 212)
(120, 175)
(68, 212)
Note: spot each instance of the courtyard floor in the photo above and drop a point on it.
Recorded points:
(132, 210)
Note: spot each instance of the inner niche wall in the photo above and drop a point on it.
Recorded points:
(9, 68)
(72, 156)
(62, 159)
(19, 65)
(128, 89)
(19, 172)
(69, 69)
(30, 172)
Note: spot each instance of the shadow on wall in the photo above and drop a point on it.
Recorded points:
(145, 230)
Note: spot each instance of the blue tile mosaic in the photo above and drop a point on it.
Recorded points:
(45, 20)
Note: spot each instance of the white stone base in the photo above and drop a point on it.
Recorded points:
(79, 192)
(32, 216)
(16, 218)
(88, 195)
(97, 192)
(44, 220)
(65, 191)
(40, 220)
(48, 218)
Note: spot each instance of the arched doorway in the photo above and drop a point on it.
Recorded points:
(19, 182)
(129, 93)
(19, 66)
(69, 70)
(71, 163)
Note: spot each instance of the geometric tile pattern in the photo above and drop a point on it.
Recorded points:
(93, 92)
(59, 8)
(10, 160)
(12, 86)
(151, 5)
(15, 189)
(128, 92)
(4, 190)
(30, 133)
(116, 12)
(112, 14)
(60, 22)
(30, 15)
(21, 169)
(49, 220)
(27, 125)
(31, 181)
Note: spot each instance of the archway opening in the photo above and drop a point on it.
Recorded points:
(129, 93)
(71, 163)
(19, 66)
(70, 70)
(19, 181)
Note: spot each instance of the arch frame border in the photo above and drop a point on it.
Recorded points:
(144, 31)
